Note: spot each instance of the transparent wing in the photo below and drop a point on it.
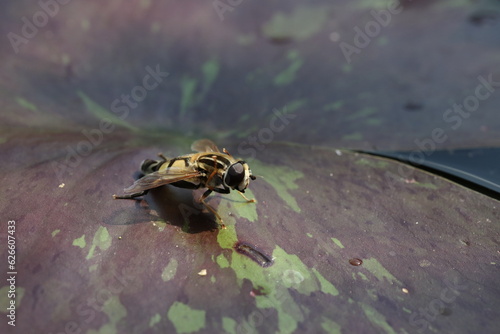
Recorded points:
(160, 178)
(204, 145)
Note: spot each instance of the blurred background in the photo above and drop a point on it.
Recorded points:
(357, 75)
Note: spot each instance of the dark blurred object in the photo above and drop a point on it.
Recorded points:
(476, 168)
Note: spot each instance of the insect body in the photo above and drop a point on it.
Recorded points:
(210, 168)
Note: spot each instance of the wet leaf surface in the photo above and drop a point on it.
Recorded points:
(120, 264)
(79, 114)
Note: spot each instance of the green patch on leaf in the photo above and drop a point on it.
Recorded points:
(330, 326)
(337, 242)
(326, 286)
(287, 76)
(287, 273)
(294, 105)
(169, 271)
(229, 325)
(26, 104)
(104, 114)
(5, 300)
(363, 276)
(226, 238)
(55, 232)
(377, 318)
(282, 179)
(154, 319)
(302, 23)
(377, 270)
(188, 86)
(242, 208)
(80, 242)
(190, 95)
(293, 273)
(101, 239)
(372, 293)
(275, 282)
(115, 311)
(186, 319)
(333, 106)
(222, 261)
(210, 71)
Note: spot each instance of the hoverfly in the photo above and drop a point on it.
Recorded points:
(209, 168)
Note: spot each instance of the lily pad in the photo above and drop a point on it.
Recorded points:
(423, 247)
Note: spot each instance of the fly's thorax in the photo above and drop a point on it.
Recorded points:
(212, 160)
(215, 165)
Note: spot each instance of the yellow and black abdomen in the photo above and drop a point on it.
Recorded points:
(149, 166)
(178, 165)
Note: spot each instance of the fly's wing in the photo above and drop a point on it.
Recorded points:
(160, 178)
(204, 145)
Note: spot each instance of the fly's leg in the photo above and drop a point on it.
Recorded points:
(209, 191)
(213, 172)
(202, 200)
(164, 158)
(133, 196)
(247, 199)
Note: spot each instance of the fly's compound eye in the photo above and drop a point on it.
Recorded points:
(234, 175)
